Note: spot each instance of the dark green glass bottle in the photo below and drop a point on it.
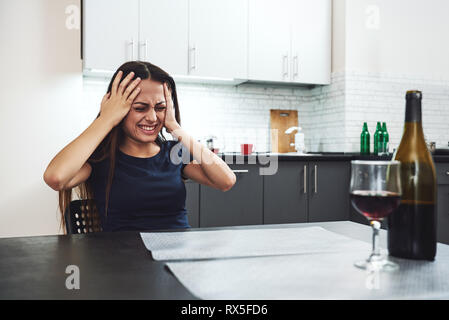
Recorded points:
(365, 140)
(386, 138)
(377, 138)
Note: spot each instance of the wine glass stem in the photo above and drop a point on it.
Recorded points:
(376, 250)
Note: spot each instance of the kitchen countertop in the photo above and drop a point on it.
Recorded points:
(236, 158)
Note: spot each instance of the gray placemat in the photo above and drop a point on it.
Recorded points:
(216, 244)
(314, 276)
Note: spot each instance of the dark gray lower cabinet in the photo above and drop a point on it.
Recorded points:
(307, 192)
(285, 194)
(443, 213)
(193, 203)
(242, 205)
(442, 171)
(328, 192)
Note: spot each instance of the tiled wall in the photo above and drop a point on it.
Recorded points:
(234, 114)
(331, 116)
(335, 114)
(381, 97)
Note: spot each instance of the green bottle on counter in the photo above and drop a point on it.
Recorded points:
(365, 140)
(377, 138)
(386, 138)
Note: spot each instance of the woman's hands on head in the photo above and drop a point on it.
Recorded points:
(170, 122)
(116, 103)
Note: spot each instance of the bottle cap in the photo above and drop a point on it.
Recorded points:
(413, 94)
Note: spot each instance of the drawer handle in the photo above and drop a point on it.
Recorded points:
(305, 179)
(240, 171)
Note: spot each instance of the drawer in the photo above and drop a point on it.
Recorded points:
(442, 170)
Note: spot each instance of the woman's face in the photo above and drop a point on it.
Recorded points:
(147, 114)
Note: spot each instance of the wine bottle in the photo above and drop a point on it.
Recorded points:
(364, 140)
(412, 226)
(377, 137)
(385, 140)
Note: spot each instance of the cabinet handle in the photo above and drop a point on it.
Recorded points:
(240, 171)
(305, 179)
(192, 61)
(131, 43)
(285, 65)
(316, 180)
(145, 45)
(447, 173)
(295, 66)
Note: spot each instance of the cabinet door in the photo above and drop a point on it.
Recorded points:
(164, 34)
(218, 38)
(285, 194)
(242, 205)
(110, 33)
(443, 214)
(269, 40)
(329, 191)
(311, 41)
(193, 203)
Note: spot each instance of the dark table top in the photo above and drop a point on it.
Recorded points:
(112, 265)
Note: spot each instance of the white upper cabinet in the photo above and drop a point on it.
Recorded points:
(290, 41)
(213, 40)
(269, 40)
(218, 38)
(110, 33)
(164, 34)
(311, 41)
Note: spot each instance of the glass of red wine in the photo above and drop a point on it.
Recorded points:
(375, 193)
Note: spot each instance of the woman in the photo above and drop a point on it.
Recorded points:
(123, 161)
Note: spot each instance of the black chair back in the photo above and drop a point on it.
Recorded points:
(78, 220)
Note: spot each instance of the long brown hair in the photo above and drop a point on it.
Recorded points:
(108, 147)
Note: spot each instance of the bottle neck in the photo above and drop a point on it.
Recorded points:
(413, 111)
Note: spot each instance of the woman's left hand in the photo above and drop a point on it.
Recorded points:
(170, 122)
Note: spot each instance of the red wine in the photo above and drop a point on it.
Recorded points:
(375, 205)
(415, 237)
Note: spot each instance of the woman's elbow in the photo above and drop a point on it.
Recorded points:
(53, 181)
(229, 183)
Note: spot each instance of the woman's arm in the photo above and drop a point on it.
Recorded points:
(208, 169)
(68, 167)
(68, 162)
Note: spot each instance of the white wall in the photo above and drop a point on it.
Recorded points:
(381, 49)
(397, 36)
(40, 109)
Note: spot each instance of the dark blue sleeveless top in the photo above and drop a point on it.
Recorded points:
(146, 193)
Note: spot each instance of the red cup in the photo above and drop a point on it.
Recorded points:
(246, 149)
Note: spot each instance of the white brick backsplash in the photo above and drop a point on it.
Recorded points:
(331, 116)
(381, 97)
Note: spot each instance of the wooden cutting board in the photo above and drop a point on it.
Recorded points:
(281, 120)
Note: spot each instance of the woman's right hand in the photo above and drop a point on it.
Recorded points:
(116, 103)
